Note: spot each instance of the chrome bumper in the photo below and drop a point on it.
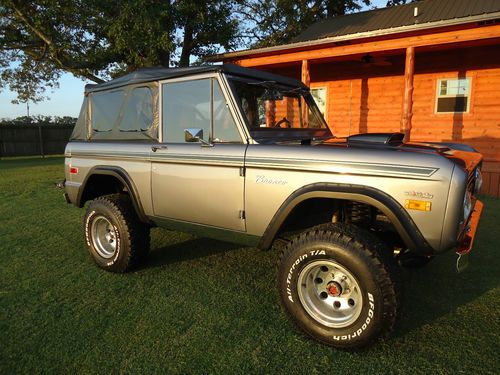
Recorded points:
(467, 241)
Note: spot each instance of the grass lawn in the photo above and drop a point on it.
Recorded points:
(202, 306)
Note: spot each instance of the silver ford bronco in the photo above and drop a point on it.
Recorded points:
(245, 156)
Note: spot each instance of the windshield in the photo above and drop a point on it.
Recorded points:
(270, 107)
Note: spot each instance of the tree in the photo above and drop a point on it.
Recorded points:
(98, 40)
(278, 21)
(203, 24)
(391, 3)
(39, 121)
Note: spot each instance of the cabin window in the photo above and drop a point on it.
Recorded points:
(319, 95)
(453, 95)
(105, 107)
(138, 114)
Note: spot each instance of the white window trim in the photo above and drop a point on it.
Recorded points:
(437, 96)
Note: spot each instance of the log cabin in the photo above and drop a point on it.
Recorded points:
(429, 69)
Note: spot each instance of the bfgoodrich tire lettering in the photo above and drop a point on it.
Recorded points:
(335, 287)
(117, 240)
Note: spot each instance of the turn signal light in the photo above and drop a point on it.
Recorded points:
(73, 170)
(418, 205)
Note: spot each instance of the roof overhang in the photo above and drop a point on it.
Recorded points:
(349, 37)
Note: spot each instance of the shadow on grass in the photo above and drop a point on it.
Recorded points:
(188, 250)
(437, 289)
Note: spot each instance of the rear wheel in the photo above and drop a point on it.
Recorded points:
(335, 287)
(117, 240)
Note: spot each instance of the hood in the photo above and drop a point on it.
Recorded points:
(461, 154)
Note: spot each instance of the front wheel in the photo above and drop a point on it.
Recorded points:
(334, 286)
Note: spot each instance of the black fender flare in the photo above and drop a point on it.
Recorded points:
(122, 176)
(402, 221)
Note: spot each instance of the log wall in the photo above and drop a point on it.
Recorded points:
(368, 97)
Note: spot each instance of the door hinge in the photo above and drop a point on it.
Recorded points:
(242, 172)
(242, 215)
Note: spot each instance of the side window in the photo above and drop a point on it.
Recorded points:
(105, 108)
(138, 114)
(225, 129)
(453, 95)
(185, 105)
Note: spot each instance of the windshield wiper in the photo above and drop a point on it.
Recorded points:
(299, 90)
(262, 83)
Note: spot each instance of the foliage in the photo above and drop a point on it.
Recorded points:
(39, 120)
(278, 21)
(391, 3)
(96, 39)
(203, 23)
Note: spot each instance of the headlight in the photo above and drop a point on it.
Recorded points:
(478, 181)
(467, 205)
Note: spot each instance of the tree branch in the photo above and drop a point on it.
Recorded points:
(28, 23)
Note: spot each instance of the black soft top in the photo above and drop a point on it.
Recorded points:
(155, 74)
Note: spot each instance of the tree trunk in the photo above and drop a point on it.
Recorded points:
(164, 56)
(187, 46)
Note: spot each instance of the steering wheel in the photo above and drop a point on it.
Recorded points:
(285, 121)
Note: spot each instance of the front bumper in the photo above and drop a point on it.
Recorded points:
(467, 240)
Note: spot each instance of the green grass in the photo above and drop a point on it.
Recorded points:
(202, 306)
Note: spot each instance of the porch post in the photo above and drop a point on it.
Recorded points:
(306, 78)
(407, 111)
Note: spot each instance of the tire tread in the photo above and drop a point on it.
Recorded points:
(136, 233)
(370, 246)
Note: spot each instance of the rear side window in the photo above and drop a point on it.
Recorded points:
(105, 109)
(138, 115)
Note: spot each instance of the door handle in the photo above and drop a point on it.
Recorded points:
(156, 148)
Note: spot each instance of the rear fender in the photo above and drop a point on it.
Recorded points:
(125, 180)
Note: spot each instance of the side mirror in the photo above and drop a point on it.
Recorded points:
(193, 135)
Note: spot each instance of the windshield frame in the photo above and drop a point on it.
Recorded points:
(263, 134)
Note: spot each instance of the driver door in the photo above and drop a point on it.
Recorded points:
(201, 181)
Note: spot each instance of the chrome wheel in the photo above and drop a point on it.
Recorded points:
(330, 293)
(104, 237)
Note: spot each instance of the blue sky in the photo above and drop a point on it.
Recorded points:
(64, 101)
(67, 99)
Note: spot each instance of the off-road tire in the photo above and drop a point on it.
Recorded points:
(320, 258)
(117, 240)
